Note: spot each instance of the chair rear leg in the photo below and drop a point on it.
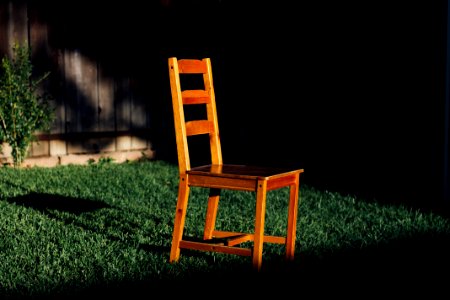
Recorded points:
(292, 219)
(211, 213)
(180, 217)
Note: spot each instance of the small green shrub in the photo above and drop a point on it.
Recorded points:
(105, 160)
(23, 111)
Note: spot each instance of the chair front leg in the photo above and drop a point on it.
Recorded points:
(292, 218)
(260, 215)
(180, 217)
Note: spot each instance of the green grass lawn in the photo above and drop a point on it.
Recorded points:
(106, 228)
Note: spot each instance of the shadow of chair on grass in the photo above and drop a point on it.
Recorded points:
(49, 203)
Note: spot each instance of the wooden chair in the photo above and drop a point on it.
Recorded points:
(217, 176)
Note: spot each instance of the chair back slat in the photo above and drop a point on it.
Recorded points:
(199, 127)
(192, 66)
(195, 97)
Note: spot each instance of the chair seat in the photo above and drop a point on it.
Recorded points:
(241, 177)
(242, 171)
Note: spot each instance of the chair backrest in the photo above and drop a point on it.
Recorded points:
(204, 96)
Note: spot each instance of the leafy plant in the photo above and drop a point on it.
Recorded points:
(104, 160)
(23, 110)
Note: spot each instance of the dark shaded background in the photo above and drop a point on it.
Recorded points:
(353, 92)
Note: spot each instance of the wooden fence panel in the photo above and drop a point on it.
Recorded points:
(123, 98)
(81, 100)
(96, 109)
(139, 118)
(105, 110)
(58, 145)
(38, 40)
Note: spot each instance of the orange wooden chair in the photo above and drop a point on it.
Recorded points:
(217, 176)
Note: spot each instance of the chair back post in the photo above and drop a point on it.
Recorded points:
(179, 122)
(216, 150)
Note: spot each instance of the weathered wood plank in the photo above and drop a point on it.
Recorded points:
(47, 60)
(123, 96)
(138, 143)
(81, 92)
(41, 148)
(3, 28)
(105, 107)
(139, 117)
(139, 120)
(59, 146)
(16, 24)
